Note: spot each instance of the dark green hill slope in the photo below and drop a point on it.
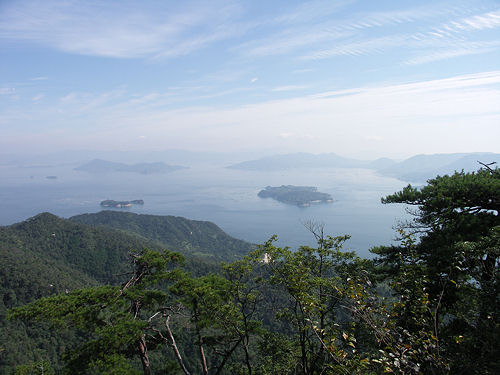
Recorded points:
(199, 238)
(100, 253)
(46, 255)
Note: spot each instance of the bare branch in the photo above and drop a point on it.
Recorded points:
(487, 166)
(174, 346)
(316, 228)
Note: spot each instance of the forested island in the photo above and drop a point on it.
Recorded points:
(100, 294)
(121, 204)
(297, 195)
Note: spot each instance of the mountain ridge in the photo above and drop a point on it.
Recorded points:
(417, 168)
(175, 232)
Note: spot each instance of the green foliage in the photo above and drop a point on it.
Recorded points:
(310, 277)
(96, 252)
(47, 255)
(116, 317)
(222, 310)
(277, 354)
(457, 261)
(192, 237)
(37, 368)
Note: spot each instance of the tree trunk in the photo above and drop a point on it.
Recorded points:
(143, 353)
(174, 346)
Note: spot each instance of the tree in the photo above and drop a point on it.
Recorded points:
(221, 311)
(115, 319)
(314, 306)
(457, 221)
(36, 368)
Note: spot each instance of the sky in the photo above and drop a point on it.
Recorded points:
(365, 78)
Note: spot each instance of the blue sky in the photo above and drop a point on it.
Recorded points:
(378, 78)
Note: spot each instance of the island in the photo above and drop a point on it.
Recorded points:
(120, 204)
(302, 196)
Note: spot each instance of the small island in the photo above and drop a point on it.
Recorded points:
(302, 196)
(121, 204)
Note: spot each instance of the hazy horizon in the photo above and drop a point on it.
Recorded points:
(359, 79)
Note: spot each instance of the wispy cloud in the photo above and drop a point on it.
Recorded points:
(455, 39)
(311, 11)
(112, 30)
(431, 111)
(312, 30)
(332, 37)
(420, 34)
(488, 20)
(290, 88)
(445, 41)
(290, 40)
(7, 90)
(305, 70)
(358, 48)
(452, 51)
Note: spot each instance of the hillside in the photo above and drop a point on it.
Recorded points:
(45, 255)
(201, 238)
(98, 252)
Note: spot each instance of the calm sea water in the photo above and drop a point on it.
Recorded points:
(224, 196)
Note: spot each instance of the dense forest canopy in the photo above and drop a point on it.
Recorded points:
(428, 305)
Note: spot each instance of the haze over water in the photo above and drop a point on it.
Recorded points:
(227, 197)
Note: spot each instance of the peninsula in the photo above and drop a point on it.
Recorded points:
(301, 196)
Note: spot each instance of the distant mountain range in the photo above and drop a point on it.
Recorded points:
(418, 168)
(173, 157)
(104, 166)
(305, 160)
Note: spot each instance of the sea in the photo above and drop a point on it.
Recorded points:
(227, 197)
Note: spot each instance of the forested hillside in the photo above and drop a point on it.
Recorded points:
(427, 306)
(47, 255)
(201, 238)
(98, 252)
